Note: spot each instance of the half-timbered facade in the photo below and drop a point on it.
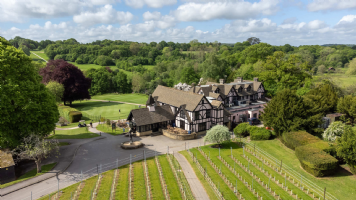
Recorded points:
(202, 106)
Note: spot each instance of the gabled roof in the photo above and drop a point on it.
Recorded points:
(177, 98)
(143, 116)
(216, 103)
(256, 85)
(150, 100)
(214, 95)
(6, 159)
(182, 107)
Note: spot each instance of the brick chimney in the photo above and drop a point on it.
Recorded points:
(222, 81)
(255, 79)
(193, 85)
(238, 80)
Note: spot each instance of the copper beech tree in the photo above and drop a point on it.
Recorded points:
(76, 85)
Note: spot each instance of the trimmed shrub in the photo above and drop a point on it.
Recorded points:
(257, 133)
(324, 146)
(75, 116)
(64, 111)
(242, 129)
(352, 169)
(295, 139)
(316, 161)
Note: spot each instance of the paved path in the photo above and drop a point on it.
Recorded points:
(66, 128)
(195, 184)
(105, 152)
(39, 56)
(117, 102)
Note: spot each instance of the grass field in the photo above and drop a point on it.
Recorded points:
(169, 178)
(107, 129)
(109, 110)
(156, 186)
(130, 98)
(39, 53)
(79, 133)
(341, 79)
(30, 174)
(105, 185)
(139, 191)
(341, 185)
(122, 187)
(88, 188)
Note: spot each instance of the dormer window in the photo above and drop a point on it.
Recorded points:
(240, 89)
(217, 90)
(182, 115)
(248, 88)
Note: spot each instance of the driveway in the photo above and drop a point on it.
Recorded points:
(104, 152)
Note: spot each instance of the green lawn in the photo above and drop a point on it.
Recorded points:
(341, 185)
(79, 133)
(39, 53)
(107, 129)
(139, 181)
(156, 186)
(171, 182)
(130, 98)
(88, 188)
(105, 185)
(109, 110)
(66, 193)
(205, 183)
(122, 187)
(30, 174)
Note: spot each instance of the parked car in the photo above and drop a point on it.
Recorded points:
(254, 121)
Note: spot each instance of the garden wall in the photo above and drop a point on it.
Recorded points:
(179, 136)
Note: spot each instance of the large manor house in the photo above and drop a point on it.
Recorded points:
(202, 107)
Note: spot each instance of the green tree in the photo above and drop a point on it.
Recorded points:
(253, 40)
(283, 73)
(347, 106)
(56, 89)
(334, 131)
(321, 69)
(26, 50)
(287, 112)
(322, 99)
(26, 105)
(346, 148)
(352, 67)
(189, 76)
(242, 130)
(255, 52)
(218, 134)
(36, 148)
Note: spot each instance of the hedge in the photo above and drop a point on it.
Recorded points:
(316, 161)
(64, 111)
(242, 129)
(324, 146)
(75, 116)
(296, 139)
(257, 133)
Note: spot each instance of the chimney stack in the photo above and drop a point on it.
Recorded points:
(239, 80)
(193, 85)
(221, 81)
(255, 79)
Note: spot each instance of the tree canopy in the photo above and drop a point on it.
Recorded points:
(26, 105)
(76, 85)
(217, 134)
(56, 89)
(346, 147)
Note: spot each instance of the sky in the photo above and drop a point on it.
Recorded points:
(277, 22)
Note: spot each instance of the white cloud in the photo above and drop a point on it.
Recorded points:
(104, 15)
(225, 10)
(22, 10)
(312, 32)
(319, 5)
(151, 15)
(347, 18)
(150, 3)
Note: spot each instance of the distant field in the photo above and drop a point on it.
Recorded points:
(340, 78)
(39, 53)
(108, 110)
(130, 98)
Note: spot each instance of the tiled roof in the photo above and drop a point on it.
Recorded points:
(143, 116)
(214, 95)
(216, 103)
(177, 98)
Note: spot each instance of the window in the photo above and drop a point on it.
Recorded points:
(196, 115)
(248, 88)
(240, 89)
(202, 127)
(182, 115)
(207, 113)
